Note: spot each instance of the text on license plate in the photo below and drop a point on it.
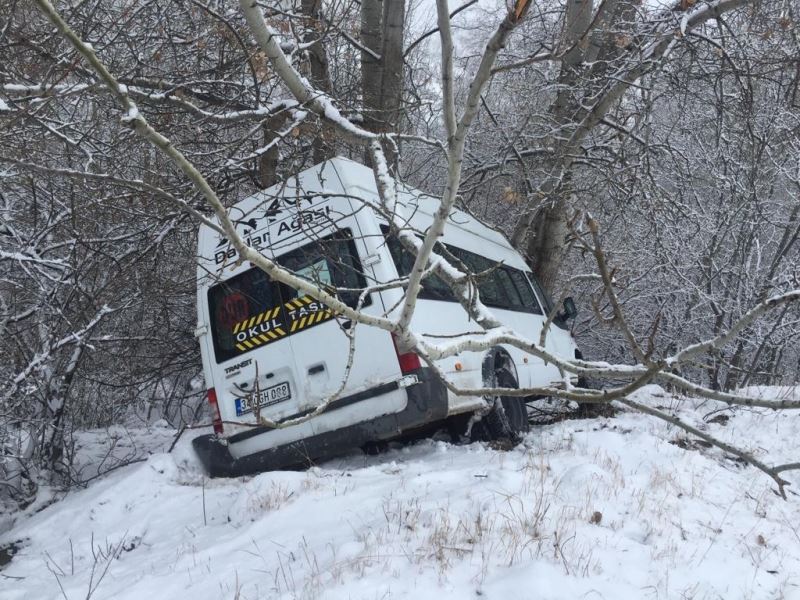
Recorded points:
(266, 397)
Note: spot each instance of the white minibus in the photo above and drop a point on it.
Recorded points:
(271, 354)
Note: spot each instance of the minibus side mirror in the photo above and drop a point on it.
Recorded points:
(570, 310)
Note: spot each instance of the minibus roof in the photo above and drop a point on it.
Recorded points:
(339, 177)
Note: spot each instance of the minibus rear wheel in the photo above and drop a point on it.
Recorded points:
(508, 417)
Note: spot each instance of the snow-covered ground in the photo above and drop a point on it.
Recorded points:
(604, 508)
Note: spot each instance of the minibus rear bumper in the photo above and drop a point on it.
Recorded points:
(427, 403)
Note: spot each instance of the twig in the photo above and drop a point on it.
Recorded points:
(608, 284)
(175, 441)
(205, 521)
(771, 471)
(427, 34)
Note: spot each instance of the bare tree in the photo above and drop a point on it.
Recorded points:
(184, 128)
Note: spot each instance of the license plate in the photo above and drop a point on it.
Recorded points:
(266, 397)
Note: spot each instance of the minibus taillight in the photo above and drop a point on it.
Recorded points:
(216, 418)
(409, 361)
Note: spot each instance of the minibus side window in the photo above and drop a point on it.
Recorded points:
(547, 302)
(494, 285)
(525, 291)
(433, 288)
(330, 263)
(499, 286)
(544, 298)
(488, 273)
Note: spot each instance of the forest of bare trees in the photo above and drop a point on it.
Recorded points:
(644, 157)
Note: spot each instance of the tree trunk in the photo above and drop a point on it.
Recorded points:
(382, 30)
(320, 74)
(392, 76)
(371, 67)
(547, 242)
(546, 247)
(268, 162)
(53, 435)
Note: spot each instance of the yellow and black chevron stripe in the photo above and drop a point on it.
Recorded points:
(268, 314)
(299, 302)
(310, 319)
(261, 339)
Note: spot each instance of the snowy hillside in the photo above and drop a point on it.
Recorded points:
(606, 508)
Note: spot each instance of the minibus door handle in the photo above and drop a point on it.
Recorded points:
(316, 369)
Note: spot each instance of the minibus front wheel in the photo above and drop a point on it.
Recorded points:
(507, 418)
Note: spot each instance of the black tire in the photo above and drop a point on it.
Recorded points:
(508, 418)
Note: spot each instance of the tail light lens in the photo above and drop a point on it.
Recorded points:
(409, 361)
(216, 418)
